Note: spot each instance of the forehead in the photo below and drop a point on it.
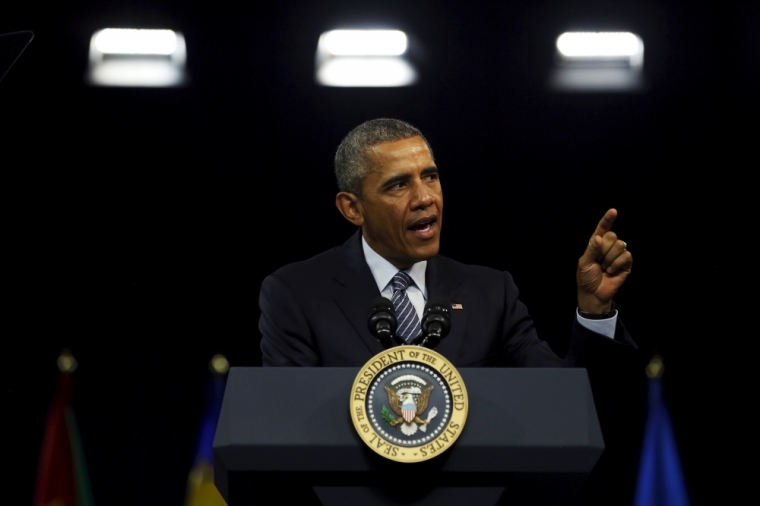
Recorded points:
(406, 155)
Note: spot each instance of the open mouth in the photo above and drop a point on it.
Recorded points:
(424, 227)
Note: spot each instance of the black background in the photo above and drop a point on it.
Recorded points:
(139, 223)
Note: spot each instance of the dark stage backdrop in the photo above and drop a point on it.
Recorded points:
(139, 223)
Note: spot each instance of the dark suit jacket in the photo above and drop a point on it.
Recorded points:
(314, 313)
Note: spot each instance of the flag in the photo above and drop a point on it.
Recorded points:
(201, 490)
(62, 477)
(660, 481)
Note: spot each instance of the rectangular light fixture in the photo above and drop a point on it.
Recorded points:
(364, 42)
(598, 62)
(601, 47)
(363, 58)
(136, 57)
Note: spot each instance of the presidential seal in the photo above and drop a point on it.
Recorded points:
(409, 404)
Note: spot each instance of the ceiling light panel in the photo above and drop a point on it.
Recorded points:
(598, 62)
(363, 58)
(137, 58)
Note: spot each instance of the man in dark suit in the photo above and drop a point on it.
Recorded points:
(314, 313)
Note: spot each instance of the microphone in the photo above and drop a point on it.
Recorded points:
(382, 321)
(436, 322)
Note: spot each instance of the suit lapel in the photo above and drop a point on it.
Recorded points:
(358, 289)
(443, 283)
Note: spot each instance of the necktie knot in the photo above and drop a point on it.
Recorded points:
(401, 281)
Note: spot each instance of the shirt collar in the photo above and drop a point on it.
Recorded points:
(383, 271)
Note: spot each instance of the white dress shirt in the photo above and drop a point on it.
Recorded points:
(383, 272)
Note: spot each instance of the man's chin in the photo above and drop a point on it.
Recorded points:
(426, 252)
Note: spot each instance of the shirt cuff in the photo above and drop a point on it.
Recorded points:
(605, 327)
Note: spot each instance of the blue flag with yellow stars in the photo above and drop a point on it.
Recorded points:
(660, 481)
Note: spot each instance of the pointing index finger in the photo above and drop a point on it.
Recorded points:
(605, 224)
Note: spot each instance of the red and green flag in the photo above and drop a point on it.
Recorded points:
(62, 477)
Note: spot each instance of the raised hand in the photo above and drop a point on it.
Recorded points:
(603, 268)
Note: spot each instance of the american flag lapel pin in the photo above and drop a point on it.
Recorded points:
(456, 306)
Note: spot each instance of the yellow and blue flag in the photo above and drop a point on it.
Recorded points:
(201, 490)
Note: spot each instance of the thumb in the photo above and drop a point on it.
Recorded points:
(592, 253)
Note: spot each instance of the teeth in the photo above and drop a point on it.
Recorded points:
(423, 225)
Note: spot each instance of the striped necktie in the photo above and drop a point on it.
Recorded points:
(408, 322)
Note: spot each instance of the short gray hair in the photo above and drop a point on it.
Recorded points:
(351, 161)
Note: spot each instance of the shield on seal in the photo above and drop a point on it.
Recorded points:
(408, 412)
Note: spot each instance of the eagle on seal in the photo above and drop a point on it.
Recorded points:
(407, 410)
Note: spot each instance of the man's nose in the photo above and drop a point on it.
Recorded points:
(422, 197)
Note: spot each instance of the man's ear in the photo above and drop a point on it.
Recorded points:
(350, 207)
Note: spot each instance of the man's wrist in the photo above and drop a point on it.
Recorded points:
(598, 315)
(590, 304)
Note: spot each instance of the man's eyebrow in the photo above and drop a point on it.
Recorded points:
(399, 178)
(402, 178)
